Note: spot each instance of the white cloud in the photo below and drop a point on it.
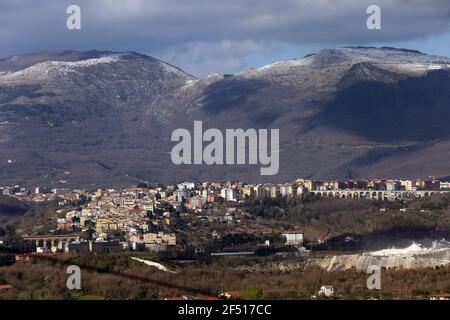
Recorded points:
(203, 58)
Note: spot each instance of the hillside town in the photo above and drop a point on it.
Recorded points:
(317, 227)
(141, 218)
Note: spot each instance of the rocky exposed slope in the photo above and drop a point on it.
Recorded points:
(412, 257)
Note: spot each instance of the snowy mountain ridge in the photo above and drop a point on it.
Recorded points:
(42, 70)
(401, 59)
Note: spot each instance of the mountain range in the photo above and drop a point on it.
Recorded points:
(98, 118)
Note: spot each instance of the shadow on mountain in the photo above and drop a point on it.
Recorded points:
(373, 156)
(10, 206)
(8, 94)
(414, 109)
(58, 115)
(232, 92)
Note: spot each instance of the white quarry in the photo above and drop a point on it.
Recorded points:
(411, 257)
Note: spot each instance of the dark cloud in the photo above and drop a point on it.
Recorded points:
(223, 30)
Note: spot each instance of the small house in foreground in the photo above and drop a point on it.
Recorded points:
(327, 291)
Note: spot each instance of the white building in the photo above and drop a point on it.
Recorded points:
(327, 291)
(301, 191)
(293, 238)
(445, 185)
(229, 194)
(409, 185)
(286, 191)
(186, 185)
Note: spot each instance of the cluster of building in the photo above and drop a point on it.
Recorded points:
(39, 194)
(140, 217)
(431, 184)
(197, 195)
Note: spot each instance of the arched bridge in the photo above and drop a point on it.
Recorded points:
(49, 241)
(376, 194)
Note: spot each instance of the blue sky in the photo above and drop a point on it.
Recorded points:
(222, 36)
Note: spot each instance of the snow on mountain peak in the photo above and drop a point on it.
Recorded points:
(43, 70)
(397, 60)
(384, 55)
